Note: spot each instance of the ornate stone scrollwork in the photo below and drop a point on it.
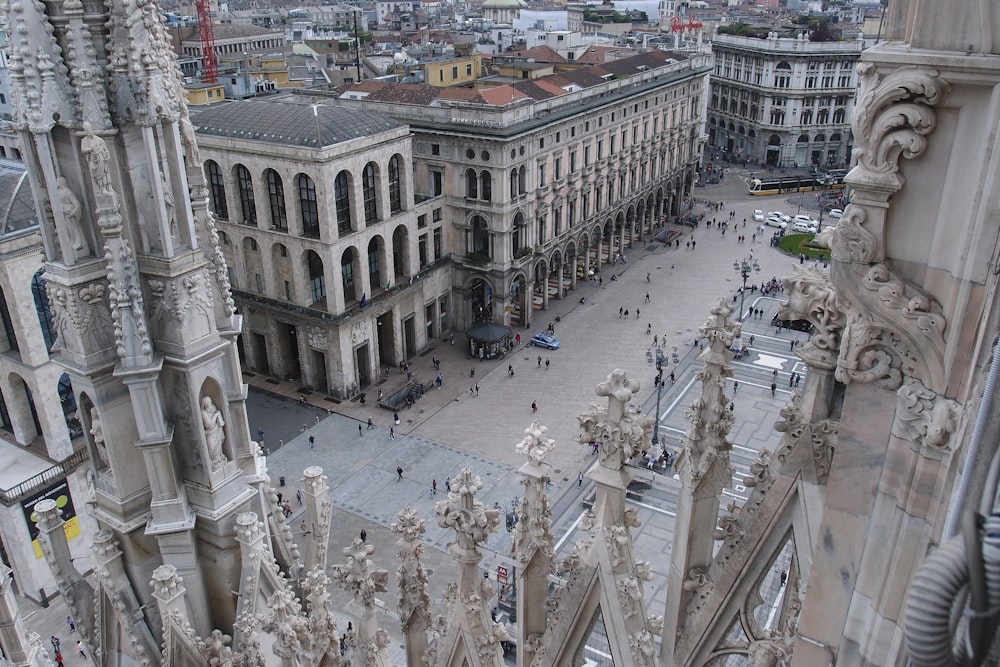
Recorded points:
(811, 296)
(849, 241)
(892, 116)
(924, 418)
(535, 446)
(897, 330)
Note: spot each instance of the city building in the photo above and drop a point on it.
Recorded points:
(338, 274)
(783, 102)
(546, 180)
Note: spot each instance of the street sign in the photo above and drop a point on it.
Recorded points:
(501, 574)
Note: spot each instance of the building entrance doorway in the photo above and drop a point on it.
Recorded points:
(363, 365)
(409, 337)
(386, 340)
(319, 380)
(288, 350)
(259, 348)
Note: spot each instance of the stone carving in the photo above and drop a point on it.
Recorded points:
(218, 260)
(188, 137)
(97, 431)
(535, 446)
(811, 296)
(729, 525)
(316, 337)
(98, 160)
(771, 652)
(71, 210)
(619, 434)
(471, 521)
(760, 471)
(629, 596)
(924, 418)
(642, 647)
(127, 311)
(215, 433)
(359, 331)
(893, 115)
(618, 539)
(700, 585)
(412, 597)
(359, 576)
(896, 330)
(322, 623)
(849, 241)
(168, 202)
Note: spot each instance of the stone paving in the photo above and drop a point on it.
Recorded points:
(450, 428)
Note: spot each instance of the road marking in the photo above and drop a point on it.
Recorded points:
(769, 361)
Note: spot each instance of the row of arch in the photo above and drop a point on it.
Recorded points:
(377, 195)
(357, 272)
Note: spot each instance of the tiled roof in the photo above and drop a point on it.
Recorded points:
(541, 54)
(289, 123)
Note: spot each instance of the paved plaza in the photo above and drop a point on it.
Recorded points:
(452, 428)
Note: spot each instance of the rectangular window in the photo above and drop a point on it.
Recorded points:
(586, 156)
(435, 149)
(436, 215)
(572, 162)
(558, 170)
(600, 149)
(541, 142)
(454, 72)
(259, 279)
(288, 290)
(437, 244)
(468, 69)
(422, 250)
(541, 175)
(437, 183)
(276, 198)
(421, 221)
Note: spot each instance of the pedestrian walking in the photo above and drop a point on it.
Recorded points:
(636, 313)
(791, 346)
(597, 446)
(287, 509)
(312, 441)
(534, 406)
(621, 310)
(434, 487)
(547, 362)
(736, 385)
(647, 297)
(647, 278)
(477, 390)
(751, 341)
(510, 370)
(363, 535)
(774, 374)
(399, 473)
(798, 378)
(791, 380)
(447, 484)
(360, 432)
(59, 659)
(655, 338)
(71, 623)
(371, 424)
(579, 480)
(55, 643)
(392, 433)
(395, 418)
(298, 496)
(774, 387)
(783, 578)
(80, 649)
(673, 379)
(539, 361)
(260, 434)
(626, 314)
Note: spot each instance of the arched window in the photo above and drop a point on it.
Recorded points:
(43, 309)
(374, 267)
(368, 191)
(486, 185)
(317, 281)
(513, 182)
(342, 202)
(276, 198)
(471, 184)
(347, 275)
(310, 210)
(480, 235)
(395, 197)
(522, 180)
(839, 115)
(217, 190)
(248, 207)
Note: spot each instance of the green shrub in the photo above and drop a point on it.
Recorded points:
(803, 244)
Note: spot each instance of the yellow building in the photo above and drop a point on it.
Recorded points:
(452, 71)
(200, 94)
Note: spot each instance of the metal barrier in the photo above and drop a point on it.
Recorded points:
(60, 470)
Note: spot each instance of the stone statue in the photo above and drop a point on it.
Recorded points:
(98, 159)
(71, 216)
(215, 436)
(168, 201)
(97, 430)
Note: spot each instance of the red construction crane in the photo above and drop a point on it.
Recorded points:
(207, 34)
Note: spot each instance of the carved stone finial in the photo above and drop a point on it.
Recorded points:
(924, 418)
(812, 297)
(535, 446)
(619, 434)
(358, 575)
(471, 521)
(166, 583)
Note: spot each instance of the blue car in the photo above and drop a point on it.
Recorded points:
(544, 340)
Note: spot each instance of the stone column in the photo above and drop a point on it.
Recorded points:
(359, 577)
(533, 544)
(14, 640)
(413, 598)
(704, 471)
(319, 514)
(77, 592)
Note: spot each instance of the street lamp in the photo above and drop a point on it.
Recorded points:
(659, 390)
(745, 267)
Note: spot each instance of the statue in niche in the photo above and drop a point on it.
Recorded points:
(98, 159)
(71, 217)
(97, 430)
(168, 201)
(215, 435)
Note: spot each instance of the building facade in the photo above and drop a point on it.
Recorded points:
(328, 255)
(547, 180)
(783, 102)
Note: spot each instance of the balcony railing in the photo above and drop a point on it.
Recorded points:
(18, 493)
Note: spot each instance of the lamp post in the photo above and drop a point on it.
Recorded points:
(659, 390)
(745, 267)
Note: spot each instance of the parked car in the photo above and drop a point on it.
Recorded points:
(544, 340)
(779, 215)
(836, 213)
(802, 227)
(775, 221)
(804, 218)
(758, 215)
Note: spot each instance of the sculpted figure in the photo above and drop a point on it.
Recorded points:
(98, 159)
(215, 436)
(71, 215)
(97, 430)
